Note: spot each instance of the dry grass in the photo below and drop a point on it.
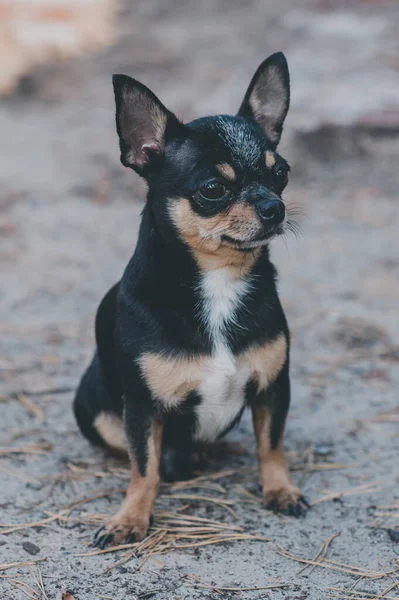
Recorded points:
(31, 407)
(17, 565)
(325, 563)
(35, 592)
(226, 504)
(303, 461)
(220, 589)
(386, 516)
(62, 515)
(385, 417)
(307, 461)
(39, 582)
(360, 489)
(177, 531)
(20, 476)
(24, 588)
(342, 594)
(170, 531)
(321, 554)
(26, 449)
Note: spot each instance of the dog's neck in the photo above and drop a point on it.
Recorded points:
(192, 302)
(172, 267)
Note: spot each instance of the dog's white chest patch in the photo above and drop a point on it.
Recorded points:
(222, 390)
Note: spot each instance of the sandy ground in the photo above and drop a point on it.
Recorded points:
(68, 221)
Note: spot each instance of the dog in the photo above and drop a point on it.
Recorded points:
(194, 332)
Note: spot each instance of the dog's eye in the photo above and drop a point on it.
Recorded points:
(212, 190)
(281, 176)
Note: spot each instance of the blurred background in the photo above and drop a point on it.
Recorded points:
(69, 214)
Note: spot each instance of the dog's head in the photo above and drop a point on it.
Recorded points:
(216, 181)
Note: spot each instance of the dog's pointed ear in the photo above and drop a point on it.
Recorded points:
(268, 97)
(142, 122)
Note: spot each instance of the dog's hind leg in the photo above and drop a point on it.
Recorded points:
(98, 403)
(99, 423)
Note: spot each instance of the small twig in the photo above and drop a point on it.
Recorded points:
(15, 565)
(388, 589)
(26, 449)
(368, 487)
(40, 523)
(46, 392)
(334, 565)
(21, 584)
(220, 589)
(321, 554)
(220, 502)
(109, 550)
(41, 583)
(220, 540)
(31, 407)
(28, 594)
(19, 476)
(351, 592)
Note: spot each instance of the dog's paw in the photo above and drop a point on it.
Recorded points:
(286, 500)
(121, 529)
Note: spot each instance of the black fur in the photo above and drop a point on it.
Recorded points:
(157, 307)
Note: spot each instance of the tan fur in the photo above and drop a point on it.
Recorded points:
(203, 235)
(270, 159)
(266, 361)
(273, 471)
(110, 428)
(243, 219)
(171, 378)
(226, 171)
(238, 263)
(134, 514)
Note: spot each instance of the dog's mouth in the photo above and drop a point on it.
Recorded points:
(255, 242)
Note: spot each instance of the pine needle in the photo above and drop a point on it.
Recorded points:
(360, 489)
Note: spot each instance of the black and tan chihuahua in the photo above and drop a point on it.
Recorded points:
(194, 332)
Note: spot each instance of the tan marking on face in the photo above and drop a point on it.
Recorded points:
(110, 428)
(273, 471)
(226, 171)
(204, 235)
(171, 378)
(270, 159)
(241, 215)
(135, 512)
(265, 361)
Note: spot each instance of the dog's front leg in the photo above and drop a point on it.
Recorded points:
(269, 412)
(144, 435)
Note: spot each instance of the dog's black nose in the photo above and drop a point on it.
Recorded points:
(271, 210)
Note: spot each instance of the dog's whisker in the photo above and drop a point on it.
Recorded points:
(294, 228)
(295, 210)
